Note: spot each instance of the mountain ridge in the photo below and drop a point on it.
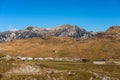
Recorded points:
(101, 45)
(30, 32)
(66, 30)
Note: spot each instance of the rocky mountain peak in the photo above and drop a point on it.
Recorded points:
(71, 31)
(68, 26)
(30, 31)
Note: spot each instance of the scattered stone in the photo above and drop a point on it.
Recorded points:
(71, 74)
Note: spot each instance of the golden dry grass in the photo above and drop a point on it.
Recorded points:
(63, 47)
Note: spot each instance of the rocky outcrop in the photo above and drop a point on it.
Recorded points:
(30, 32)
(113, 30)
(112, 33)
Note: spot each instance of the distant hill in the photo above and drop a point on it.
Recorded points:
(63, 47)
(112, 33)
(98, 46)
(30, 32)
(113, 30)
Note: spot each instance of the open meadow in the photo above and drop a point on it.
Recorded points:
(57, 70)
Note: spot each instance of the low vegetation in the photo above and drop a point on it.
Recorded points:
(63, 47)
(56, 70)
(105, 47)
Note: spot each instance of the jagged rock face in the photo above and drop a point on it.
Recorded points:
(71, 31)
(22, 34)
(30, 32)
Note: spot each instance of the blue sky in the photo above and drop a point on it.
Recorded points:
(92, 15)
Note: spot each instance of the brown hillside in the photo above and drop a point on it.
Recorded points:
(63, 47)
(112, 33)
(113, 30)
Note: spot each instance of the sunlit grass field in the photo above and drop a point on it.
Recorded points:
(63, 47)
(77, 70)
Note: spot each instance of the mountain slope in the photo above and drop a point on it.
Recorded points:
(30, 32)
(102, 45)
(113, 30)
(63, 47)
(112, 33)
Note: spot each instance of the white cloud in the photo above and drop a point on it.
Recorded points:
(12, 28)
